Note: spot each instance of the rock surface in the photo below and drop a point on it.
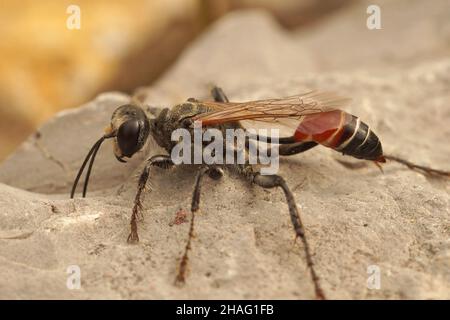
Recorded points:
(397, 221)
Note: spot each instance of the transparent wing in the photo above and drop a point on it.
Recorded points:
(282, 114)
(281, 111)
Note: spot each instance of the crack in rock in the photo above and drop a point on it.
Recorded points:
(47, 153)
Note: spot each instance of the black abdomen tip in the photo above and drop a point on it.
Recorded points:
(364, 144)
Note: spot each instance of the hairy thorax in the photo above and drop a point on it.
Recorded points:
(181, 117)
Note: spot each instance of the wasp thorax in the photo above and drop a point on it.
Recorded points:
(131, 126)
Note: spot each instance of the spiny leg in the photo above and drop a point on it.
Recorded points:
(162, 161)
(272, 181)
(419, 168)
(181, 276)
(214, 173)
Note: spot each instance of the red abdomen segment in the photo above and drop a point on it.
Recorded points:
(340, 131)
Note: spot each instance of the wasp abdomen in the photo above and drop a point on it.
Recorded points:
(341, 131)
(361, 143)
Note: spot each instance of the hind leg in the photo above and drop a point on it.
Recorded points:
(419, 168)
(273, 181)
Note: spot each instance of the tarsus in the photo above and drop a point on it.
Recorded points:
(419, 168)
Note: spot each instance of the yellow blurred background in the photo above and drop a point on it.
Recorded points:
(46, 67)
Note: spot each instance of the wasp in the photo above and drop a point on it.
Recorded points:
(313, 118)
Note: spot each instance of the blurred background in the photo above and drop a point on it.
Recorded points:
(46, 67)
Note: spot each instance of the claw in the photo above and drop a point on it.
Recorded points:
(133, 237)
(180, 280)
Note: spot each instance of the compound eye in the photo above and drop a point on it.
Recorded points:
(128, 136)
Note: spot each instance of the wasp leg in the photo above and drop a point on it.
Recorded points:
(214, 173)
(161, 161)
(218, 94)
(419, 168)
(272, 181)
(287, 149)
(281, 140)
(295, 148)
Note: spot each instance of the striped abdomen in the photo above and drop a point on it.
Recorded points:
(341, 131)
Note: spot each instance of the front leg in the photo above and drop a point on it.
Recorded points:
(161, 161)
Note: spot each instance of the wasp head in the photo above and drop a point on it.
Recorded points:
(130, 128)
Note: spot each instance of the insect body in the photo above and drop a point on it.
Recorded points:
(312, 118)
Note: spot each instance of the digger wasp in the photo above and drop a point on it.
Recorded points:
(311, 119)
